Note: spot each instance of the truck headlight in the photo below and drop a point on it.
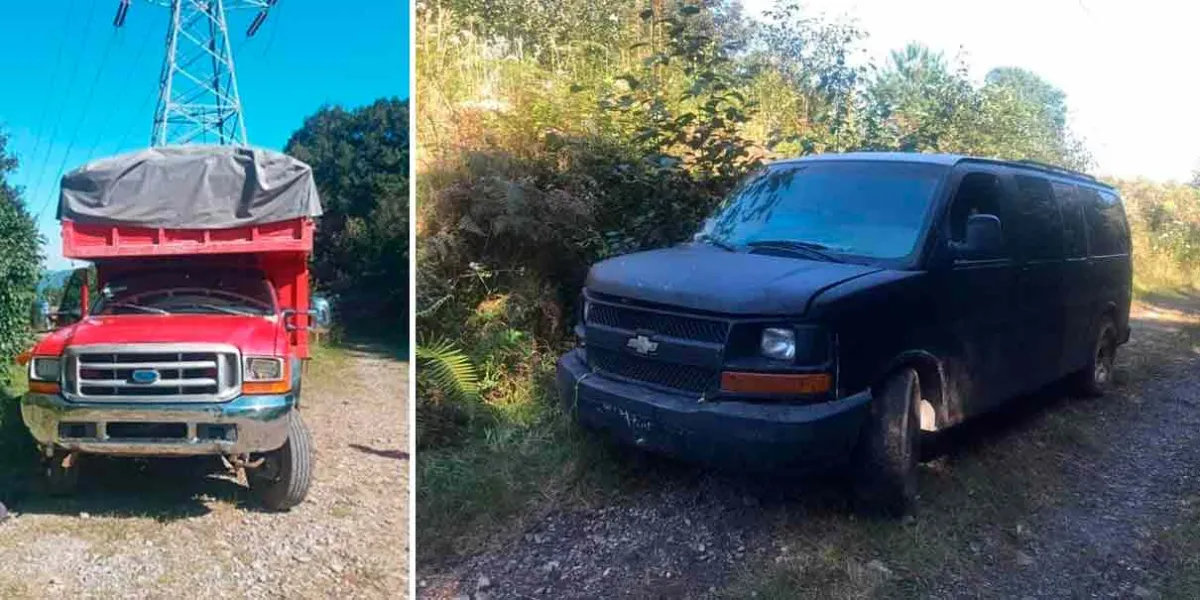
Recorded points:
(778, 343)
(263, 368)
(45, 369)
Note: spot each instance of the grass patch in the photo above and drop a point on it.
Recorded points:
(492, 481)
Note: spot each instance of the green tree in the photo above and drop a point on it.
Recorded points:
(360, 162)
(1050, 101)
(20, 261)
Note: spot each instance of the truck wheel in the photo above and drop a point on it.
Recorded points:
(281, 482)
(885, 478)
(1096, 377)
(62, 473)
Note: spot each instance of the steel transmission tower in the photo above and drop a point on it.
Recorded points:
(198, 97)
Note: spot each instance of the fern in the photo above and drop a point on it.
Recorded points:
(448, 369)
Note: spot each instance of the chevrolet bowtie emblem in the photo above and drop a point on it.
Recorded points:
(641, 344)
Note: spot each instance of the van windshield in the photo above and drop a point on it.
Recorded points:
(200, 291)
(854, 208)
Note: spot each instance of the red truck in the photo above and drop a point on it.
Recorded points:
(191, 339)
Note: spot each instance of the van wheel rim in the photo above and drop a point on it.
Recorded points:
(1104, 361)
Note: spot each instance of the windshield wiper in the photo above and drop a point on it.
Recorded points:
(224, 309)
(716, 241)
(810, 248)
(149, 309)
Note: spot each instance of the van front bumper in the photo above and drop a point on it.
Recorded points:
(243, 425)
(756, 436)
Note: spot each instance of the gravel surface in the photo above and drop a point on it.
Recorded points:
(161, 529)
(693, 533)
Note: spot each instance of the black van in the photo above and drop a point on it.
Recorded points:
(836, 306)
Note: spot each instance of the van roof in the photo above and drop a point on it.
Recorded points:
(948, 160)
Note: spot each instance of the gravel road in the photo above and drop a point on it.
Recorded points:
(1092, 533)
(147, 530)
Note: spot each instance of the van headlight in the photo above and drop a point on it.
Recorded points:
(263, 368)
(45, 368)
(778, 343)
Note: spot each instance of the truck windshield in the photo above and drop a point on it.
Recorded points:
(186, 291)
(825, 209)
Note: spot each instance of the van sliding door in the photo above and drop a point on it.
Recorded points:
(1040, 306)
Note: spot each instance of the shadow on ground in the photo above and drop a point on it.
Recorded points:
(162, 489)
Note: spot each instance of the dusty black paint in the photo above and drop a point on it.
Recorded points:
(978, 331)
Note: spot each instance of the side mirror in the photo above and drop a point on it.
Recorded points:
(39, 318)
(985, 239)
(705, 230)
(321, 312)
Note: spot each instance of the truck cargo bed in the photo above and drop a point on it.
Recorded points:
(92, 241)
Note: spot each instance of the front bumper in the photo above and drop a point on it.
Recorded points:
(255, 424)
(740, 435)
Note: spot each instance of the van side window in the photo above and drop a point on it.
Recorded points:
(1074, 237)
(978, 194)
(1038, 228)
(1105, 223)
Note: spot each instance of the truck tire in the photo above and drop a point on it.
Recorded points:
(885, 465)
(283, 479)
(62, 480)
(1096, 377)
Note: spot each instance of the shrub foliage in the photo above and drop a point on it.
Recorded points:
(20, 263)
(360, 163)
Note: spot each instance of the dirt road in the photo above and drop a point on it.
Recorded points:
(1058, 497)
(146, 530)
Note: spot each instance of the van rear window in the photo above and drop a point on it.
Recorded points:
(1105, 219)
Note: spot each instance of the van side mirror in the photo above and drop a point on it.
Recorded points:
(985, 239)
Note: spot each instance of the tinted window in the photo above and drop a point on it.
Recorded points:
(207, 291)
(1074, 237)
(1105, 222)
(977, 194)
(872, 209)
(1037, 232)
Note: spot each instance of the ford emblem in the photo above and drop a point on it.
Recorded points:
(144, 376)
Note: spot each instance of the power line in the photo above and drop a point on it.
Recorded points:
(58, 117)
(83, 116)
(62, 43)
(128, 79)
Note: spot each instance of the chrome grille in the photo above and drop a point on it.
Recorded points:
(152, 373)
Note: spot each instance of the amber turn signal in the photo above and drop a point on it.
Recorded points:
(775, 383)
(43, 387)
(267, 387)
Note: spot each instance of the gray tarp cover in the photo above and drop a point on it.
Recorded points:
(190, 187)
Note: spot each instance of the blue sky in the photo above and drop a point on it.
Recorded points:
(308, 54)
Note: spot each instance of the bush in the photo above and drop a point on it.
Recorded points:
(360, 163)
(20, 262)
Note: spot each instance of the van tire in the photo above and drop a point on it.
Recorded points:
(885, 465)
(284, 482)
(1095, 379)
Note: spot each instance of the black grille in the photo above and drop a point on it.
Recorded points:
(634, 319)
(681, 377)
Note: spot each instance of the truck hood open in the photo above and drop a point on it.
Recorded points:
(251, 335)
(708, 278)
